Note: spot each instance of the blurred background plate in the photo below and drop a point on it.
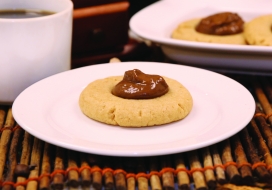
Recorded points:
(157, 21)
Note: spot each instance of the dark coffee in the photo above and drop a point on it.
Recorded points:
(20, 13)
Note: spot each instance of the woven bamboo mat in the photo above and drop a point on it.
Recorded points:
(241, 162)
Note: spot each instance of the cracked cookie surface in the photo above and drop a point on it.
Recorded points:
(258, 31)
(98, 103)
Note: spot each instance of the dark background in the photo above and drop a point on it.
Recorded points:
(136, 5)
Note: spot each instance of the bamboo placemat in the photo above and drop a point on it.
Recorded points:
(242, 161)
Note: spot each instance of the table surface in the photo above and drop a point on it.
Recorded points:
(242, 161)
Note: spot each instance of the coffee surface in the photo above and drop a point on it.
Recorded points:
(22, 14)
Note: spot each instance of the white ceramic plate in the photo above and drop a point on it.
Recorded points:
(157, 21)
(49, 110)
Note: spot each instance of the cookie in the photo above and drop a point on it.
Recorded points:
(98, 103)
(186, 31)
(259, 31)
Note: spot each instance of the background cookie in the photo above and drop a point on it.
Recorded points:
(186, 31)
(259, 31)
(97, 102)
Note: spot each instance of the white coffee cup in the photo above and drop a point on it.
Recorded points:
(33, 48)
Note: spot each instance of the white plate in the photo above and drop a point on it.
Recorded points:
(157, 21)
(49, 110)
